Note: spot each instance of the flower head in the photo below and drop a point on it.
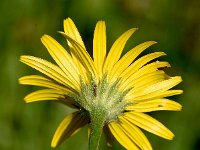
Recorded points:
(111, 93)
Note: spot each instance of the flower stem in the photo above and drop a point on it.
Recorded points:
(97, 123)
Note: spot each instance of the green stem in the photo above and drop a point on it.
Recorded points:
(97, 123)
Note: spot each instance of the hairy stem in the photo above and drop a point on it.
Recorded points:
(97, 123)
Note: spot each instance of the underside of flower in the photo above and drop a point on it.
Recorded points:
(102, 102)
(104, 96)
(112, 93)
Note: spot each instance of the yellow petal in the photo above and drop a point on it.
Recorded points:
(44, 82)
(48, 69)
(145, 70)
(69, 126)
(99, 46)
(129, 57)
(116, 50)
(154, 105)
(168, 93)
(83, 73)
(121, 136)
(158, 87)
(82, 55)
(62, 58)
(142, 61)
(45, 94)
(135, 134)
(53, 95)
(109, 137)
(145, 81)
(146, 78)
(143, 85)
(155, 95)
(71, 30)
(148, 123)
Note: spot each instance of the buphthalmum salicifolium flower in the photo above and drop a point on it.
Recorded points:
(109, 92)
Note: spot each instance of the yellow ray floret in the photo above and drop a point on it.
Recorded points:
(156, 88)
(148, 123)
(45, 82)
(145, 70)
(146, 79)
(128, 58)
(82, 55)
(116, 50)
(99, 47)
(45, 94)
(154, 105)
(69, 126)
(71, 30)
(50, 70)
(62, 58)
(135, 134)
(143, 61)
(121, 136)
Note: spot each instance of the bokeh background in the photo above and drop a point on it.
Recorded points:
(174, 24)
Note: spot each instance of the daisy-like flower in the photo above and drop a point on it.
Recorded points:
(111, 93)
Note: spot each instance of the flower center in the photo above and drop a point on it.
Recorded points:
(104, 96)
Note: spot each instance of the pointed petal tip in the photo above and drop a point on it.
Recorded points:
(180, 108)
(44, 36)
(150, 43)
(61, 32)
(162, 53)
(171, 137)
(68, 19)
(20, 58)
(26, 101)
(23, 57)
(101, 21)
(181, 91)
(132, 30)
(65, 35)
(20, 80)
(178, 79)
(168, 65)
(135, 29)
(153, 42)
(54, 144)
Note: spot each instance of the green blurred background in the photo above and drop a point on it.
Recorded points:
(174, 24)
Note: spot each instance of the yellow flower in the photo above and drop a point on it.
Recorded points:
(111, 93)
